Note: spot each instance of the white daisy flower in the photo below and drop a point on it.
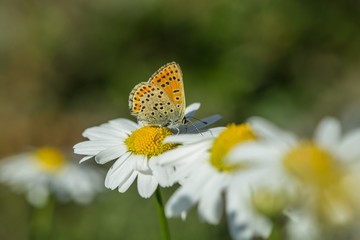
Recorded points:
(209, 179)
(322, 173)
(136, 149)
(46, 171)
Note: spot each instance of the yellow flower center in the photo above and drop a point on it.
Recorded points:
(49, 159)
(333, 195)
(269, 203)
(148, 141)
(313, 165)
(231, 136)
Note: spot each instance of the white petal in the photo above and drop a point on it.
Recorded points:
(162, 174)
(303, 226)
(244, 222)
(142, 164)
(146, 184)
(267, 130)
(116, 179)
(183, 138)
(93, 147)
(349, 148)
(187, 169)
(181, 152)
(188, 194)
(189, 138)
(38, 195)
(211, 205)
(255, 153)
(119, 132)
(119, 172)
(216, 131)
(121, 160)
(85, 158)
(102, 133)
(124, 124)
(180, 202)
(110, 154)
(191, 110)
(124, 186)
(328, 133)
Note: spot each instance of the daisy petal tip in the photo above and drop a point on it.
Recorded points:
(121, 190)
(330, 119)
(179, 206)
(194, 106)
(84, 159)
(145, 195)
(191, 109)
(97, 159)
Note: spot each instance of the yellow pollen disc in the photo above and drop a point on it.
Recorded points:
(313, 165)
(148, 141)
(231, 136)
(269, 203)
(49, 159)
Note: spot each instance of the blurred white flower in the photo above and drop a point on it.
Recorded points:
(209, 179)
(46, 171)
(136, 149)
(319, 175)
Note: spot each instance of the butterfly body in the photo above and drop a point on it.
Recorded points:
(161, 100)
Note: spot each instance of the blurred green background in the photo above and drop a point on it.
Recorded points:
(68, 65)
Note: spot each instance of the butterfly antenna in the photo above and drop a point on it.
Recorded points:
(203, 122)
(191, 122)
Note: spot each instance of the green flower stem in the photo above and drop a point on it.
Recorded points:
(41, 221)
(278, 231)
(162, 218)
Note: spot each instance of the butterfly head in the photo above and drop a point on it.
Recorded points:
(175, 124)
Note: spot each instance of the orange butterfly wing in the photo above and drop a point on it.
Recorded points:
(169, 77)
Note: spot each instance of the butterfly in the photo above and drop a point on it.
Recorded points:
(161, 100)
